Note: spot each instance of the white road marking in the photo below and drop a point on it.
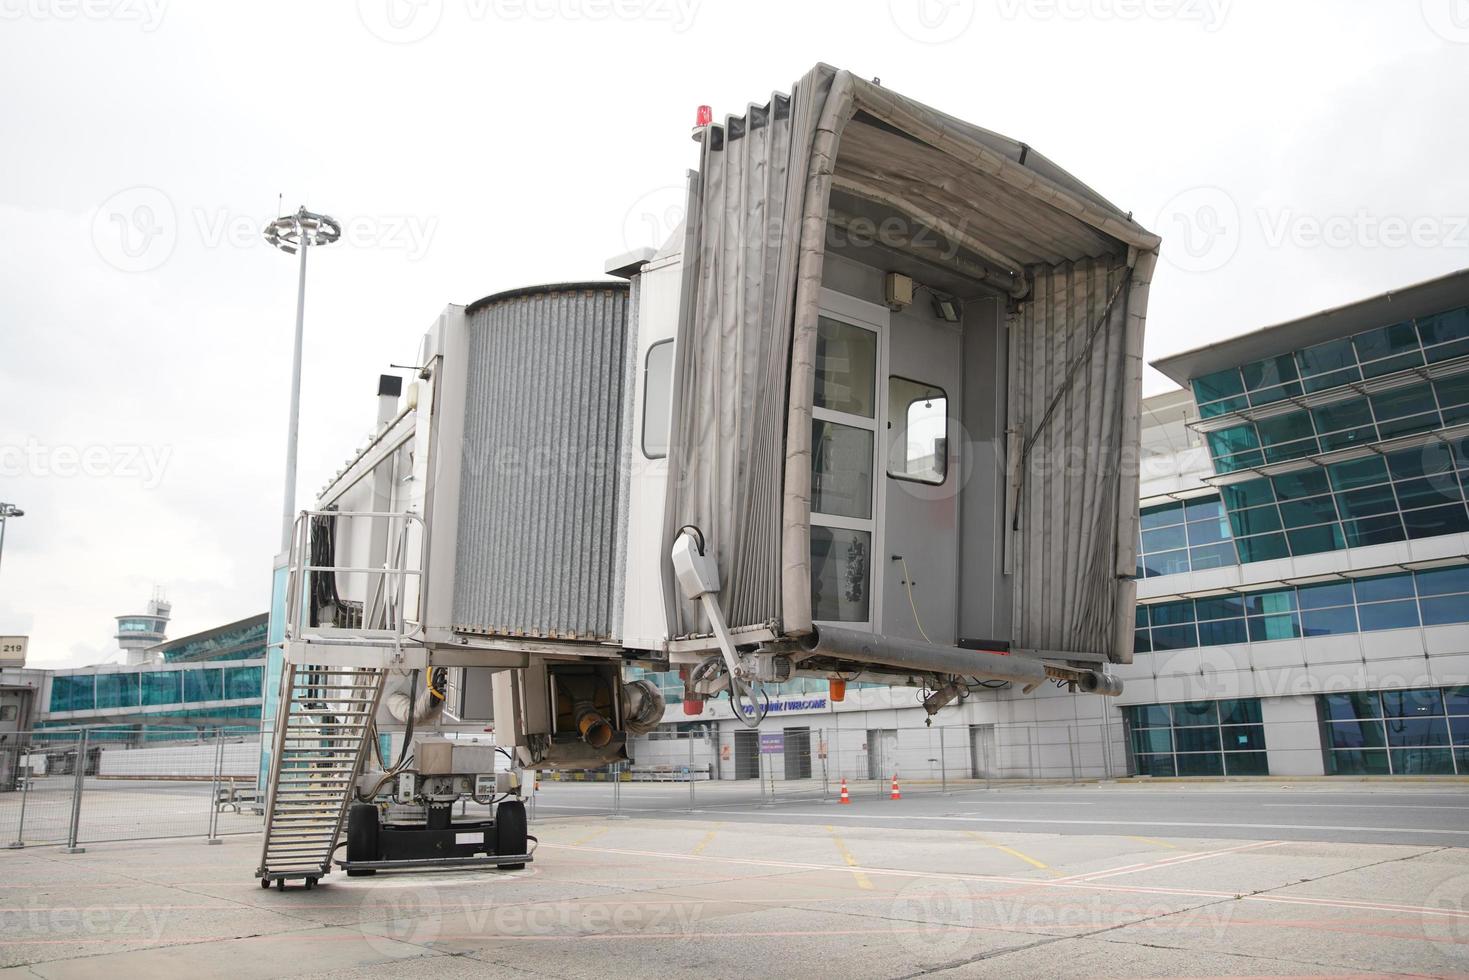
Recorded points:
(1121, 822)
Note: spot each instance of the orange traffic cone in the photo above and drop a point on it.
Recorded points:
(896, 795)
(845, 798)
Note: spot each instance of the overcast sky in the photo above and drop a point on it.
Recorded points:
(1294, 156)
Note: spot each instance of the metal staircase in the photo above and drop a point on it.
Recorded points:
(321, 742)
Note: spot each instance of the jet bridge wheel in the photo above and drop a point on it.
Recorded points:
(363, 824)
(510, 831)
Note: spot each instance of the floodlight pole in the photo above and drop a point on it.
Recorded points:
(296, 233)
(7, 511)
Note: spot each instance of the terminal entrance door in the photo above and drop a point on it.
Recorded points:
(747, 754)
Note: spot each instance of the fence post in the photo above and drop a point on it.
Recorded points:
(690, 770)
(76, 797)
(1071, 750)
(25, 791)
(825, 755)
(943, 763)
(213, 837)
(616, 769)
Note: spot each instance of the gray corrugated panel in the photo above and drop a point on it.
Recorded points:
(1065, 549)
(541, 492)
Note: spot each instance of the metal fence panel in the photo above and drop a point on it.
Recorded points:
(37, 793)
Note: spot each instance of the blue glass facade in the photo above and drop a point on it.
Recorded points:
(156, 689)
(1403, 600)
(1184, 536)
(1401, 733)
(1197, 738)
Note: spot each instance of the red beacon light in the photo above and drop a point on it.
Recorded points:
(704, 117)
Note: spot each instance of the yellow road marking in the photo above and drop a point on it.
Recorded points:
(592, 836)
(699, 847)
(862, 880)
(1157, 843)
(1013, 853)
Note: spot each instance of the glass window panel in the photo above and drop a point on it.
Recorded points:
(1288, 428)
(1344, 423)
(1410, 732)
(1315, 540)
(1248, 493)
(1222, 384)
(1459, 730)
(1304, 513)
(1374, 530)
(117, 690)
(1384, 586)
(1452, 391)
(1175, 637)
(1151, 716)
(841, 469)
(1329, 622)
(657, 399)
(1422, 762)
(163, 687)
(1351, 763)
(1456, 700)
(1204, 507)
(1263, 547)
(204, 685)
(1140, 616)
(1283, 627)
(1428, 491)
(242, 682)
(1439, 610)
(73, 692)
(1246, 764)
(1357, 473)
(1324, 594)
(1391, 348)
(1442, 581)
(1155, 765)
(1191, 713)
(1367, 502)
(1268, 373)
(840, 574)
(1165, 539)
(1243, 711)
(1257, 520)
(1171, 613)
(1450, 330)
(1435, 521)
(918, 450)
(846, 368)
(1165, 563)
(1197, 739)
(1160, 516)
(1209, 531)
(1149, 740)
(1141, 642)
(1295, 486)
(1388, 615)
(1334, 359)
(1213, 556)
(1235, 440)
(1426, 460)
(1412, 703)
(1365, 733)
(1400, 403)
(1208, 764)
(1219, 607)
(1242, 738)
(1222, 631)
(1279, 601)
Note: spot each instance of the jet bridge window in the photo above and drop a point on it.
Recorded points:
(657, 398)
(918, 431)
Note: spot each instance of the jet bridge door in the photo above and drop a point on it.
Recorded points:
(922, 473)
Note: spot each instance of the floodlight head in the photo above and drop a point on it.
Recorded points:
(289, 232)
(10, 510)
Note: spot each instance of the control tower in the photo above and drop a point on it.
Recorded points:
(137, 632)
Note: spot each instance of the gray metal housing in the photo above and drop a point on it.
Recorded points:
(543, 495)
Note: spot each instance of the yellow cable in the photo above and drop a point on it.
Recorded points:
(908, 581)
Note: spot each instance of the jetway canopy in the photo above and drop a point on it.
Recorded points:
(1073, 269)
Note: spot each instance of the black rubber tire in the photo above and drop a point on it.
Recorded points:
(510, 831)
(264, 882)
(363, 824)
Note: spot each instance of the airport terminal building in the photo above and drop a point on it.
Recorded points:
(1303, 581)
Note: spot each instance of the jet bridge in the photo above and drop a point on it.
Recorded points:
(870, 414)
